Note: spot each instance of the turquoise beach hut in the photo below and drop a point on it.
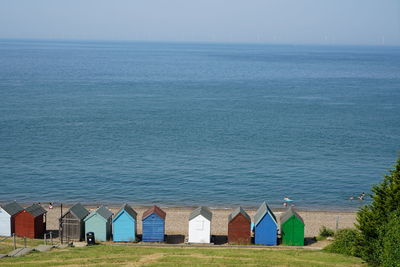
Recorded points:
(265, 226)
(124, 225)
(99, 222)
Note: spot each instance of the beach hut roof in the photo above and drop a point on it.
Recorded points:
(104, 212)
(289, 213)
(262, 211)
(12, 208)
(36, 210)
(236, 212)
(203, 211)
(128, 209)
(155, 210)
(79, 211)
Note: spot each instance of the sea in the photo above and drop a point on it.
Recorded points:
(189, 124)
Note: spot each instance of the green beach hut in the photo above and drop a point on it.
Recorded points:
(99, 222)
(292, 228)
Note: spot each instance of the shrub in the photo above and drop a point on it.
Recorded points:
(390, 238)
(347, 241)
(325, 232)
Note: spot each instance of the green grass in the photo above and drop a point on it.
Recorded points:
(7, 245)
(111, 255)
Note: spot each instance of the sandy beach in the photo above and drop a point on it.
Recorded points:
(177, 219)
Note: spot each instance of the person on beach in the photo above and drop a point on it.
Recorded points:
(351, 198)
(286, 200)
(50, 205)
(361, 196)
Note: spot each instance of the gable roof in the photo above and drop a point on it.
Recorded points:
(262, 211)
(155, 210)
(79, 211)
(236, 213)
(128, 209)
(289, 213)
(203, 211)
(36, 210)
(12, 208)
(102, 211)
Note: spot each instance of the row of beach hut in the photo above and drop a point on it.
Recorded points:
(29, 222)
(78, 221)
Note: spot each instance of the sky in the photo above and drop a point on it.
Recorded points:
(360, 22)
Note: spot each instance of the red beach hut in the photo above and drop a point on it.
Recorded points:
(239, 227)
(31, 222)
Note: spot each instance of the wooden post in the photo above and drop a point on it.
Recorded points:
(51, 238)
(15, 241)
(337, 223)
(45, 239)
(24, 241)
(60, 226)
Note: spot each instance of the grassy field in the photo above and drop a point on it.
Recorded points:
(7, 245)
(111, 255)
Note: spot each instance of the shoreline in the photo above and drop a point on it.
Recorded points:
(116, 205)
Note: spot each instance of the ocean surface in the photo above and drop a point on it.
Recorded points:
(196, 124)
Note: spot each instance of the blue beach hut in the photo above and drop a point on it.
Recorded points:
(266, 226)
(99, 222)
(124, 225)
(153, 224)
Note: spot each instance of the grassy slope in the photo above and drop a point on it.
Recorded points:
(8, 245)
(108, 255)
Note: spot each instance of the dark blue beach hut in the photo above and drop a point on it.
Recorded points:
(265, 226)
(124, 225)
(153, 224)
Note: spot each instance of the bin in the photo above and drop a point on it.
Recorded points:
(90, 238)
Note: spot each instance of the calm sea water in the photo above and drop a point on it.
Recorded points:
(191, 124)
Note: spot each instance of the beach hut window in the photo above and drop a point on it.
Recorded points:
(199, 225)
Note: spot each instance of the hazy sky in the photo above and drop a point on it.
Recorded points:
(267, 21)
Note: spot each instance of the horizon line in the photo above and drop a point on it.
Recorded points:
(192, 42)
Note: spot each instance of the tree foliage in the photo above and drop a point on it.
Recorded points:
(390, 246)
(373, 219)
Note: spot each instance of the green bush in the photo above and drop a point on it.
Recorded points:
(390, 240)
(325, 232)
(373, 219)
(347, 241)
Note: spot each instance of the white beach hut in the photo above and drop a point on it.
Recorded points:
(7, 213)
(200, 225)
